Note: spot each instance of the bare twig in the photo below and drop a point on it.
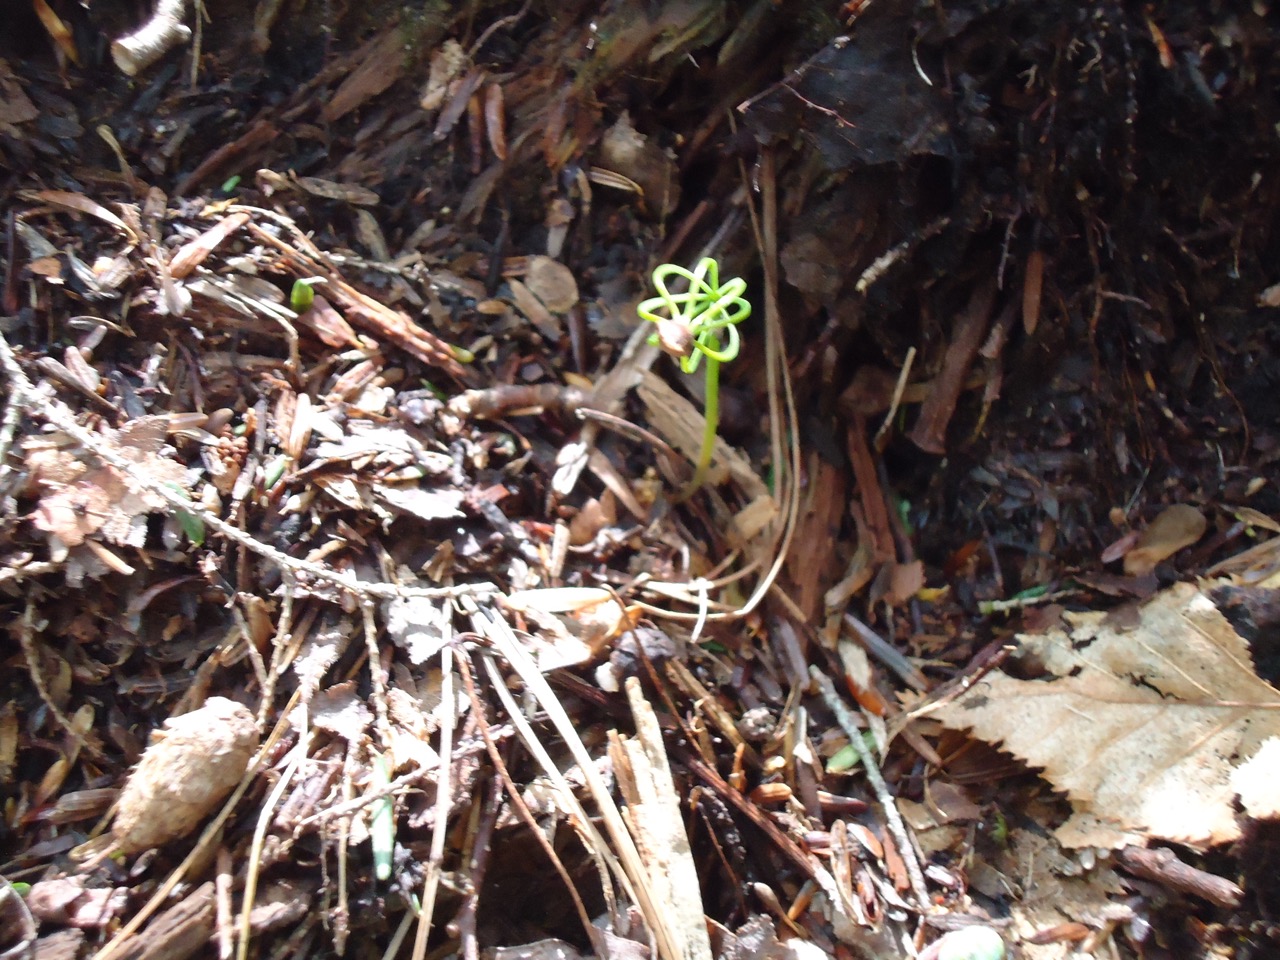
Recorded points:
(893, 819)
(378, 674)
(32, 656)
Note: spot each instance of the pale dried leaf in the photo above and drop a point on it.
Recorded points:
(1176, 527)
(80, 502)
(446, 63)
(188, 769)
(1141, 728)
(421, 502)
(386, 447)
(552, 644)
(410, 731)
(1256, 782)
(558, 599)
(340, 710)
(354, 496)
(418, 625)
(319, 653)
(539, 950)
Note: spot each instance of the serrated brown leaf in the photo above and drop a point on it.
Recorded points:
(1142, 728)
(340, 710)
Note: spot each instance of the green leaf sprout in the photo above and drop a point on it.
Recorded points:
(301, 296)
(690, 327)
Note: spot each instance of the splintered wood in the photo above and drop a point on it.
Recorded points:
(654, 819)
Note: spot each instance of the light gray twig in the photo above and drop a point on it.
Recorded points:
(892, 818)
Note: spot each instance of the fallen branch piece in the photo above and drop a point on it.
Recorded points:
(136, 51)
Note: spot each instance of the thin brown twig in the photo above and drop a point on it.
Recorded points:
(32, 656)
(497, 25)
(444, 798)
(377, 673)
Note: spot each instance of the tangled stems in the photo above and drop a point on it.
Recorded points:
(689, 328)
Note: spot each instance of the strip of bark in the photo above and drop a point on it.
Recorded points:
(930, 431)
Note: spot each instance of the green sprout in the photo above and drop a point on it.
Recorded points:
(690, 326)
(302, 295)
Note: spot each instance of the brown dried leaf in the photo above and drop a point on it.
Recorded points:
(382, 63)
(188, 769)
(534, 310)
(1142, 728)
(905, 581)
(328, 324)
(329, 190)
(78, 203)
(340, 710)
(15, 106)
(81, 501)
(625, 151)
(67, 902)
(193, 253)
(552, 283)
(1176, 527)
(8, 740)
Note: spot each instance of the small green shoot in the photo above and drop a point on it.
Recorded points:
(690, 325)
(301, 296)
(848, 758)
(192, 526)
